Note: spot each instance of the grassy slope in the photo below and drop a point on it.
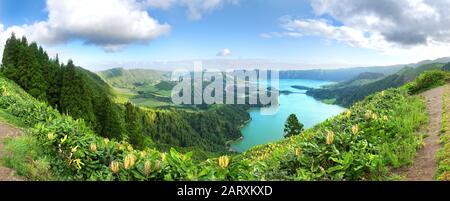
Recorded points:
(5, 117)
(443, 157)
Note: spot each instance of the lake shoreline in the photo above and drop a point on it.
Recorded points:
(261, 129)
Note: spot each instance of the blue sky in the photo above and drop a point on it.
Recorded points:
(288, 33)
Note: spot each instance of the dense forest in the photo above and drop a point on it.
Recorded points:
(84, 95)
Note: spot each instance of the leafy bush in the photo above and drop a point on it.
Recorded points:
(427, 80)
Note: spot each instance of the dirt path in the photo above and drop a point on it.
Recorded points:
(7, 174)
(424, 166)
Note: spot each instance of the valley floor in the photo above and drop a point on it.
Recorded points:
(424, 165)
(6, 131)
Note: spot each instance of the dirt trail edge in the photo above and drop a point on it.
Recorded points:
(7, 174)
(424, 165)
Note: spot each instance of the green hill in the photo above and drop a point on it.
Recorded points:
(349, 92)
(123, 78)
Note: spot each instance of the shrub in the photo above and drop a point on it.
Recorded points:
(427, 80)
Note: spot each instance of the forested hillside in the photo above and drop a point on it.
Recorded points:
(82, 94)
(356, 89)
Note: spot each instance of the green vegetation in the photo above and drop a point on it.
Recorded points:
(10, 119)
(428, 80)
(292, 127)
(146, 88)
(443, 156)
(330, 101)
(84, 95)
(360, 144)
(356, 89)
(72, 151)
(122, 78)
(27, 157)
(70, 89)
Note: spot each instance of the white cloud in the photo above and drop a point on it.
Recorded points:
(224, 52)
(419, 29)
(110, 24)
(195, 8)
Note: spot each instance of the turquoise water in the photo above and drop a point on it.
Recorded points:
(263, 129)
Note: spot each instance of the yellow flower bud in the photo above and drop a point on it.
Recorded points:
(298, 151)
(158, 164)
(93, 147)
(374, 116)
(51, 136)
(106, 140)
(130, 148)
(355, 129)
(348, 114)
(224, 161)
(129, 161)
(142, 153)
(147, 168)
(114, 167)
(330, 137)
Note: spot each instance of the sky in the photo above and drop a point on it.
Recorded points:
(285, 34)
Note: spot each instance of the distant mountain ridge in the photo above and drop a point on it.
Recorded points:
(120, 77)
(347, 93)
(345, 74)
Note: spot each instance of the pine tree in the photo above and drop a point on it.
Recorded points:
(11, 58)
(292, 126)
(133, 125)
(109, 124)
(75, 96)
